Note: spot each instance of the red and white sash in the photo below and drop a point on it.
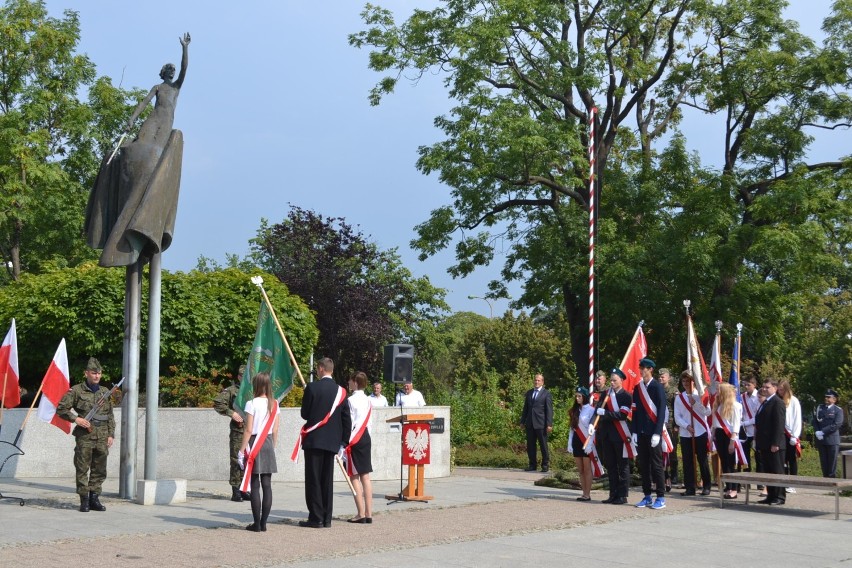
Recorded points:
(354, 439)
(621, 425)
(739, 453)
(338, 400)
(789, 435)
(649, 405)
(597, 468)
(254, 450)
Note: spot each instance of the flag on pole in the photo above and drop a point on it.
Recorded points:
(268, 354)
(9, 376)
(735, 369)
(694, 358)
(715, 371)
(630, 364)
(54, 385)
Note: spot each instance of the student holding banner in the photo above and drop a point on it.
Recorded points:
(260, 436)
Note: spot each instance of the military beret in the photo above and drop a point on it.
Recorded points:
(582, 390)
(649, 363)
(619, 372)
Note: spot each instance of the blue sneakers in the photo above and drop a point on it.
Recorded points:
(645, 502)
(660, 503)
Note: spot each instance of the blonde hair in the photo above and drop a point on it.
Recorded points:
(786, 392)
(724, 402)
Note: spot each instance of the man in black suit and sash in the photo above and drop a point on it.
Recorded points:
(326, 430)
(537, 418)
(769, 439)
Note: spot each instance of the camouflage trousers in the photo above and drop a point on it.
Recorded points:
(90, 461)
(236, 440)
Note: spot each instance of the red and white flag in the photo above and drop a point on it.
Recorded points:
(55, 384)
(715, 370)
(9, 376)
(637, 350)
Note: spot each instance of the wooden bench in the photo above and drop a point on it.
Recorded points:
(779, 480)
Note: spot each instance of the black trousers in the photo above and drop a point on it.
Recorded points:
(828, 459)
(651, 465)
(537, 435)
(689, 458)
(727, 460)
(319, 485)
(617, 467)
(773, 462)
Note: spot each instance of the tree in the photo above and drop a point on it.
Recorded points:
(363, 297)
(51, 141)
(741, 241)
(208, 320)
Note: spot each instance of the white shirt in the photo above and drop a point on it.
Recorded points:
(412, 399)
(358, 407)
(753, 404)
(793, 422)
(683, 417)
(378, 400)
(259, 408)
(735, 421)
(587, 412)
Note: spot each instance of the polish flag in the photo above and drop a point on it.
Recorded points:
(694, 358)
(9, 376)
(636, 351)
(55, 384)
(715, 370)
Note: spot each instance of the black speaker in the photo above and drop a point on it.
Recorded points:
(399, 363)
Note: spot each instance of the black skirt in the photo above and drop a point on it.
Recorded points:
(361, 460)
(577, 447)
(265, 461)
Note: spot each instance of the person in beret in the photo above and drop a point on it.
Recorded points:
(827, 421)
(613, 438)
(93, 437)
(580, 418)
(649, 417)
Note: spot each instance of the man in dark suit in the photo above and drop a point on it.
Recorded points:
(769, 439)
(327, 428)
(537, 418)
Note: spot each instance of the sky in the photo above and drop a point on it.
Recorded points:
(274, 111)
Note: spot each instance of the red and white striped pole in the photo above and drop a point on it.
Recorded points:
(592, 246)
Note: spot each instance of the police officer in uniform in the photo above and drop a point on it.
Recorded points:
(828, 419)
(224, 405)
(94, 437)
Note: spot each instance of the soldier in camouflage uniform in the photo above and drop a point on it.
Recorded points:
(94, 437)
(224, 405)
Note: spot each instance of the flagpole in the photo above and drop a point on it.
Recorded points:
(739, 349)
(713, 388)
(258, 281)
(592, 232)
(3, 400)
(30, 411)
(623, 361)
(345, 475)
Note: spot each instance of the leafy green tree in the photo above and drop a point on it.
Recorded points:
(208, 320)
(363, 297)
(751, 242)
(51, 140)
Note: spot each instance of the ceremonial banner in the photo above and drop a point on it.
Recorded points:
(415, 448)
(10, 396)
(268, 354)
(735, 371)
(630, 364)
(694, 358)
(55, 384)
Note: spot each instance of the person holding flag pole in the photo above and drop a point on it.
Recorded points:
(613, 439)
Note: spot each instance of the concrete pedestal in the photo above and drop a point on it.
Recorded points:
(160, 491)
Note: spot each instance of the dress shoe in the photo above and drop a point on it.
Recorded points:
(369, 520)
(359, 520)
(729, 496)
(766, 501)
(619, 501)
(668, 488)
(778, 502)
(253, 528)
(246, 495)
(262, 527)
(95, 503)
(688, 493)
(533, 468)
(705, 491)
(310, 524)
(584, 498)
(545, 469)
(609, 499)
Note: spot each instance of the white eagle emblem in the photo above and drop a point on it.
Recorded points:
(417, 442)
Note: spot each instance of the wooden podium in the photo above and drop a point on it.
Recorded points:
(415, 490)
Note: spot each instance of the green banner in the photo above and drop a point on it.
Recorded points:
(268, 354)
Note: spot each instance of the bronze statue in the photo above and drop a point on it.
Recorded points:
(133, 204)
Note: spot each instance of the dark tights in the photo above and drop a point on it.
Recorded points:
(260, 511)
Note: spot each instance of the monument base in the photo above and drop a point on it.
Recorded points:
(160, 491)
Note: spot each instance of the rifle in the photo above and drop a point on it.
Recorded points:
(100, 402)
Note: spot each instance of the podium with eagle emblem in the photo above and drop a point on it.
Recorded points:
(415, 449)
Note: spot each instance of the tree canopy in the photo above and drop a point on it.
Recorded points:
(754, 232)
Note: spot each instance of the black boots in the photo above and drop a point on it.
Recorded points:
(84, 503)
(94, 503)
(236, 494)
